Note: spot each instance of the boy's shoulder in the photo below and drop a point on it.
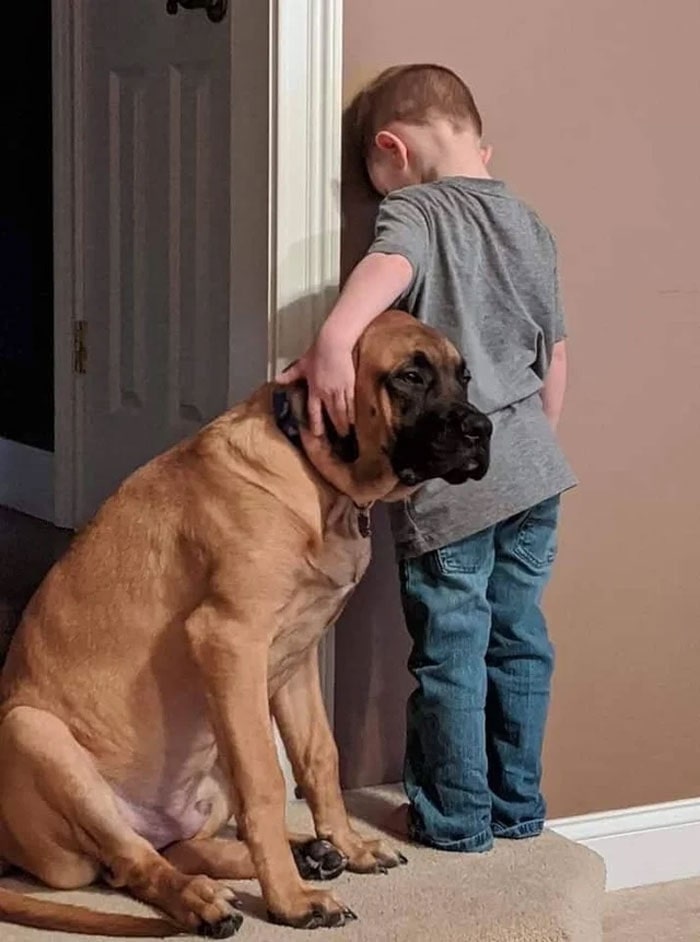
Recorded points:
(457, 196)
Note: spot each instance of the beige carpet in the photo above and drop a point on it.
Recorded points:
(667, 912)
(545, 890)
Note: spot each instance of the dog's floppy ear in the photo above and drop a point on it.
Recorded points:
(345, 447)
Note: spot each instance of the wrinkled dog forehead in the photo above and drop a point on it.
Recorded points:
(396, 338)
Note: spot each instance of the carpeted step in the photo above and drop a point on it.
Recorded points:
(663, 912)
(542, 890)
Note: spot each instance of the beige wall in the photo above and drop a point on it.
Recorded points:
(592, 109)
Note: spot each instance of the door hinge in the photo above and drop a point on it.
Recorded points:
(80, 347)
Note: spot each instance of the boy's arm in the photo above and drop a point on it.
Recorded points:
(374, 284)
(554, 387)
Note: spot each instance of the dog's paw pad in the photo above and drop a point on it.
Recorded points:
(318, 860)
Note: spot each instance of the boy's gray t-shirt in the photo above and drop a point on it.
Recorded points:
(485, 274)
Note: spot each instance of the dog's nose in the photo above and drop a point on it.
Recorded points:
(476, 427)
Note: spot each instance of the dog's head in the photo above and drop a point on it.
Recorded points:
(413, 418)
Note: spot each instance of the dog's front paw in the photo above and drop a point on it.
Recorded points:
(368, 856)
(312, 909)
(208, 908)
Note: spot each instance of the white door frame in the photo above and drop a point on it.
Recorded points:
(304, 206)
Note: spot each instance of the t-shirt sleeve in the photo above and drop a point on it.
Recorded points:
(559, 331)
(402, 229)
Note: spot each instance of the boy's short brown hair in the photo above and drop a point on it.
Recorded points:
(413, 93)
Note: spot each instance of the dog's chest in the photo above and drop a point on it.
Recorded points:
(324, 582)
(342, 559)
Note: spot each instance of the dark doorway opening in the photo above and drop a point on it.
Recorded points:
(26, 229)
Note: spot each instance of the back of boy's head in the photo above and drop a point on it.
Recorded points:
(413, 94)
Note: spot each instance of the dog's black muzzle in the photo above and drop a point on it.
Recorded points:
(453, 444)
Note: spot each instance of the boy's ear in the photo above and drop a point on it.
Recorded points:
(486, 154)
(389, 143)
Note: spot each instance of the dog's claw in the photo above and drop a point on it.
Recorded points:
(223, 929)
(402, 858)
(316, 918)
(314, 921)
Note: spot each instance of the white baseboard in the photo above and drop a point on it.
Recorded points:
(26, 479)
(649, 844)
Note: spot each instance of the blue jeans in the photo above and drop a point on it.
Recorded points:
(483, 663)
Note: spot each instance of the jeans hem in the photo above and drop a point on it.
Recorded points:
(519, 831)
(476, 844)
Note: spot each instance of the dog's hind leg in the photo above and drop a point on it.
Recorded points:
(229, 859)
(219, 857)
(60, 822)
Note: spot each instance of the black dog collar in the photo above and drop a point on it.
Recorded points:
(286, 421)
(288, 424)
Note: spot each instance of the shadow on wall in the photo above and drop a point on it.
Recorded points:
(359, 202)
(358, 207)
(372, 682)
(300, 319)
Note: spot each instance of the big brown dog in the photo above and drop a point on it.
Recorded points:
(138, 693)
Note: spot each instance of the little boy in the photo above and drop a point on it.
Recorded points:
(457, 250)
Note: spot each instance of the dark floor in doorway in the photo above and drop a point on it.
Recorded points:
(28, 549)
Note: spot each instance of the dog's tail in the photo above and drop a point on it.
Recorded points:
(63, 917)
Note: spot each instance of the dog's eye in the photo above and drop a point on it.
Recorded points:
(412, 376)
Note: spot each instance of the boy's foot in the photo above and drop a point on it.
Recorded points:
(397, 822)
